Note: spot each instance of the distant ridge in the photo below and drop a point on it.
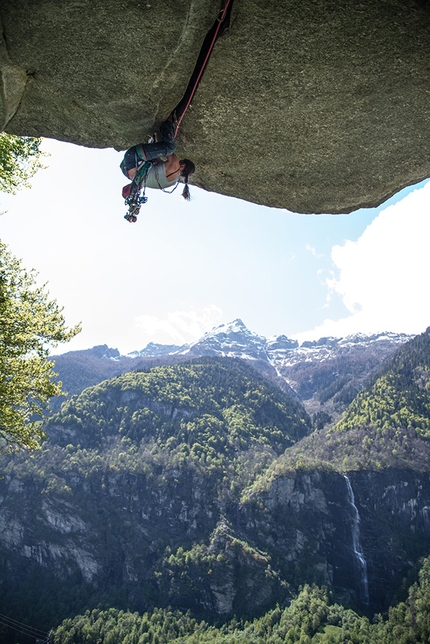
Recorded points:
(325, 374)
(388, 423)
(234, 339)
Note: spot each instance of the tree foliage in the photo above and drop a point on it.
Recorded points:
(311, 618)
(212, 408)
(386, 425)
(174, 445)
(30, 324)
(19, 161)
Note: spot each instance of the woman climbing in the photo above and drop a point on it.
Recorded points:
(144, 165)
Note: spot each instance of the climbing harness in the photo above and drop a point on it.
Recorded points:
(134, 192)
(222, 16)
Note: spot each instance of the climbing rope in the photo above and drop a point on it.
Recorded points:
(220, 20)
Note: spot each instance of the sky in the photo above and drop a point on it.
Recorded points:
(184, 268)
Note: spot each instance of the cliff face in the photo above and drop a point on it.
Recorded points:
(362, 544)
(310, 106)
(97, 73)
(178, 486)
(171, 540)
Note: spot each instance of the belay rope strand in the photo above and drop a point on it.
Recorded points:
(220, 20)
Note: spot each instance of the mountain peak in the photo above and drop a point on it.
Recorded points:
(153, 349)
(324, 374)
(233, 339)
(103, 351)
(236, 326)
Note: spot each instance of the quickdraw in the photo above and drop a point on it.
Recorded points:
(134, 197)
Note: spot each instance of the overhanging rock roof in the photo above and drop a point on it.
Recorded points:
(314, 106)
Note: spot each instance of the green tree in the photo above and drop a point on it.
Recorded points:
(19, 161)
(30, 324)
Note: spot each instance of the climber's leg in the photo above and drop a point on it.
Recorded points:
(129, 161)
(163, 148)
(149, 151)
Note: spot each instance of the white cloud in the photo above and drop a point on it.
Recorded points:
(179, 327)
(383, 277)
(313, 251)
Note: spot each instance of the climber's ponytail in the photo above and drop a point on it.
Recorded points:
(186, 191)
(188, 168)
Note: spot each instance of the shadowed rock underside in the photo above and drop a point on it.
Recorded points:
(317, 106)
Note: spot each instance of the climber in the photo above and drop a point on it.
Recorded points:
(159, 174)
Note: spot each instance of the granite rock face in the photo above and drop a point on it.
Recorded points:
(305, 523)
(97, 73)
(170, 541)
(317, 106)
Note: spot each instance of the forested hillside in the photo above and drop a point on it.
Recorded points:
(239, 409)
(201, 487)
(311, 618)
(388, 423)
(126, 501)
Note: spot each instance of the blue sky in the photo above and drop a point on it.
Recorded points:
(184, 268)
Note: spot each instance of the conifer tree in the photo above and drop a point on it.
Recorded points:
(30, 323)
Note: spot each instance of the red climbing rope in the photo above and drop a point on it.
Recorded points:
(220, 19)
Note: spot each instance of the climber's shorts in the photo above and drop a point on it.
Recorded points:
(129, 161)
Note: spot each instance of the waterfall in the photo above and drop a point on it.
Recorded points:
(360, 561)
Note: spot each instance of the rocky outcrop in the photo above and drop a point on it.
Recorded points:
(98, 73)
(305, 522)
(167, 540)
(310, 106)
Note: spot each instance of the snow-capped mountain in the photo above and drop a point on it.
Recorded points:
(325, 374)
(233, 340)
(286, 355)
(152, 349)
